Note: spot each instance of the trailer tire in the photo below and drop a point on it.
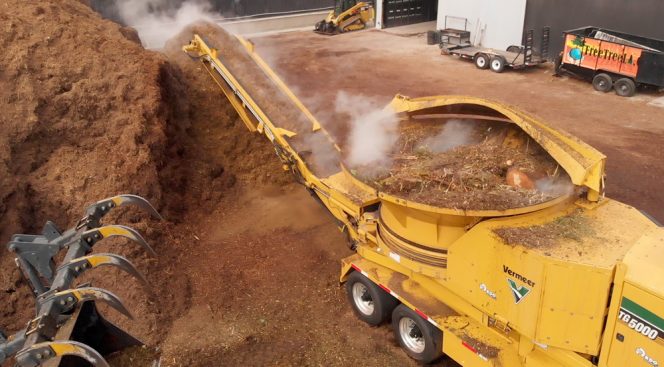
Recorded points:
(422, 341)
(482, 61)
(371, 303)
(558, 65)
(625, 87)
(497, 64)
(602, 82)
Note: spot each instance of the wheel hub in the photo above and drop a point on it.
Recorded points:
(411, 335)
(363, 299)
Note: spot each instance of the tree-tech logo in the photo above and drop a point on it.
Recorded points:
(518, 291)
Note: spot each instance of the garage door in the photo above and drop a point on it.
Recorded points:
(402, 12)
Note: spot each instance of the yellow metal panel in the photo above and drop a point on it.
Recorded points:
(453, 346)
(638, 339)
(644, 261)
(573, 306)
(481, 267)
(555, 357)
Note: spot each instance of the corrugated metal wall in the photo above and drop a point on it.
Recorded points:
(228, 8)
(253, 7)
(640, 17)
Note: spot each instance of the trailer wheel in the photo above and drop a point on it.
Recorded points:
(497, 64)
(370, 303)
(558, 65)
(625, 87)
(422, 341)
(482, 61)
(602, 82)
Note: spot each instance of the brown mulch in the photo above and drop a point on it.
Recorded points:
(472, 176)
(573, 227)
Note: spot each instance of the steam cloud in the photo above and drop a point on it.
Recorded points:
(373, 131)
(158, 20)
(454, 133)
(554, 187)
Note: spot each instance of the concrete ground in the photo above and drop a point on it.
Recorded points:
(375, 65)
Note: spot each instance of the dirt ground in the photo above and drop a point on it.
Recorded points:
(247, 272)
(379, 64)
(248, 263)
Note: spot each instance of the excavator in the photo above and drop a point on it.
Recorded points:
(68, 330)
(347, 16)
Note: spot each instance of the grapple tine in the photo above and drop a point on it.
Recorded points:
(81, 264)
(39, 353)
(64, 298)
(95, 212)
(91, 236)
(128, 199)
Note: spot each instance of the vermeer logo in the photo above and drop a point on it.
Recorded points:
(518, 276)
(518, 291)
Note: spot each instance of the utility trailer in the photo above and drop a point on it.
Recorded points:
(515, 57)
(450, 285)
(613, 60)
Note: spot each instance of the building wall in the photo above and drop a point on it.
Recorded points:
(642, 17)
(228, 8)
(252, 7)
(492, 23)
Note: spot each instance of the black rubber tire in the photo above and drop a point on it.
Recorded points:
(383, 302)
(481, 61)
(497, 64)
(432, 336)
(625, 87)
(557, 65)
(329, 28)
(602, 82)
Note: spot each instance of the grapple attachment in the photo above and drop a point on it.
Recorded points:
(68, 331)
(40, 353)
(65, 301)
(80, 265)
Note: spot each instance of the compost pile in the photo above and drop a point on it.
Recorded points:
(469, 165)
(88, 113)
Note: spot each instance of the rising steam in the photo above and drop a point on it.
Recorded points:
(455, 133)
(158, 20)
(373, 131)
(554, 186)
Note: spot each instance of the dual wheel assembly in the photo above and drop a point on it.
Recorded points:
(495, 63)
(624, 87)
(419, 338)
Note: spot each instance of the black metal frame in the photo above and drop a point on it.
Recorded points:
(404, 12)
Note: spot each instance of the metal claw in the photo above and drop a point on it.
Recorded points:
(128, 199)
(94, 235)
(39, 353)
(96, 211)
(67, 299)
(81, 264)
